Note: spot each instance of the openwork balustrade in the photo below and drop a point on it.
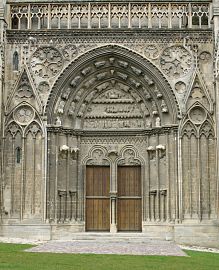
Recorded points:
(110, 15)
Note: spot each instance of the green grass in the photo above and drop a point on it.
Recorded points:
(13, 257)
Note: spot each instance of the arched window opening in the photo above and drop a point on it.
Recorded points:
(15, 61)
(18, 155)
(14, 23)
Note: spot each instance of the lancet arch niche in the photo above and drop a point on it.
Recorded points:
(112, 98)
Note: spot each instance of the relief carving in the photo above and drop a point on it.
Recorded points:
(164, 107)
(82, 110)
(134, 83)
(70, 51)
(136, 70)
(75, 81)
(157, 122)
(197, 115)
(86, 71)
(146, 94)
(99, 64)
(46, 62)
(24, 115)
(180, 87)
(98, 158)
(148, 80)
(129, 158)
(176, 61)
(151, 51)
(122, 75)
(205, 56)
(72, 109)
(123, 64)
(154, 107)
(24, 90)
(157, 92)
(60, 109)
(66, 93)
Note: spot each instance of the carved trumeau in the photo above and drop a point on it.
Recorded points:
(114, 108)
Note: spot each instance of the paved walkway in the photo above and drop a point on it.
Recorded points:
(149, 247)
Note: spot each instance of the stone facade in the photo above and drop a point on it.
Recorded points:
(109, 84)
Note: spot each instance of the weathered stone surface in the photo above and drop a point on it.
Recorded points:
(109, 84)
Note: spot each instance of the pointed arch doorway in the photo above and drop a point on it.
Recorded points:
(112, 99)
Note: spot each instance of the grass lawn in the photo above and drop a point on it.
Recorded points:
(13, 257)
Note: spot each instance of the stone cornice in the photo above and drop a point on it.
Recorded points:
(102, 35)
(102, 1)
(106, 133)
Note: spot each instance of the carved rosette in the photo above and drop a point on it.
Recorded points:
(197, 115)
(46, 62)
(176, 61)
(180, 87)
(23, 115)
(151, 51)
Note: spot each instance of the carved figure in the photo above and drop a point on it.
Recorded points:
(164, 107)
(61, 106)
(58, 121)
(72, 108)
(157, 122)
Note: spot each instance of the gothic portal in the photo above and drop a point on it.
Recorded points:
(109, 119)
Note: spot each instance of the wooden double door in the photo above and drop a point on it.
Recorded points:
(128, 207)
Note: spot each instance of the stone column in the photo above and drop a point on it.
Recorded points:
(113, 153)
(216, 35)
(113, 225)
(2, 25)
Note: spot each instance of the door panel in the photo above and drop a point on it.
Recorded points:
(97, 198)
(129, 214)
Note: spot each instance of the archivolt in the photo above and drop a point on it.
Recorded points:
(112, 63)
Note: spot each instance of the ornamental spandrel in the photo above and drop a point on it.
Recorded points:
(109, 119)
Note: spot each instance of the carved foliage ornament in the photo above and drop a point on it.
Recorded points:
(46, 62)
(176, 61)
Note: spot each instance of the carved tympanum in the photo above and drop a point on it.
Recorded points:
(98, 158)
(114, 108)
(129, 158)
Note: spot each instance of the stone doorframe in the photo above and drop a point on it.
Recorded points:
(113, 156)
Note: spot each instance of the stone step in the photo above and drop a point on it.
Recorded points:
(112, 237)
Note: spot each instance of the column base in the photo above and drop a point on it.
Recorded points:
(113, 228)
